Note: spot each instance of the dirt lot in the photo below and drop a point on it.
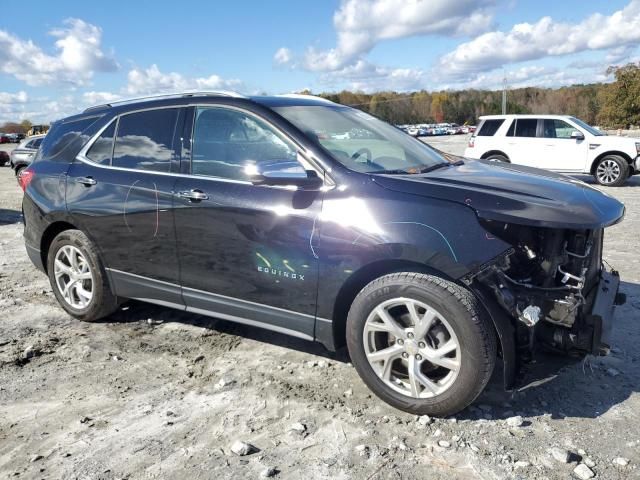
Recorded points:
(155, 393)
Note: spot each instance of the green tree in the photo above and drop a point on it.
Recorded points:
(620, 100)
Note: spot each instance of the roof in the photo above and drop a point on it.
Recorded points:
(270, 101)
(523, 115)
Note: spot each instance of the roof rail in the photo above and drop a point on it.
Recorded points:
(302, 95)
(221, 93)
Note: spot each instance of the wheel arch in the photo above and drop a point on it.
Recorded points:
(359, 279)
(502, 326)
(486, 155)
(596, 160)
(52, 230)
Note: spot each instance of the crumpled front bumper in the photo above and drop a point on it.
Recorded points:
(602, 313)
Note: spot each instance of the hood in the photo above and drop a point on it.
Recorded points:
(514, 194)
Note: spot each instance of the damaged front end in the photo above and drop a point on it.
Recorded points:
(554, 284)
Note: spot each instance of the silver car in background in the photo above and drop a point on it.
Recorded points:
(23, 154)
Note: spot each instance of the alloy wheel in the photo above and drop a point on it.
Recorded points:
(412, 348)
(608, 172)
(73, 275)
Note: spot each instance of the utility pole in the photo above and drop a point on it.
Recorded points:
(504, 94)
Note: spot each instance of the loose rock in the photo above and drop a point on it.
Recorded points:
(298, 427)
(424, 420)
(516, 421)
(583, 472)
(621, 461)
(242, 448)
(560, 455)
(444, 444)
(269, 472)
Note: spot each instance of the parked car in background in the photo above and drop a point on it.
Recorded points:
(16, 137)
(560, 143)
(425, 265)
(5, 138)
(22, 155)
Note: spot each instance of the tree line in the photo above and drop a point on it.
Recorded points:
(609, 105)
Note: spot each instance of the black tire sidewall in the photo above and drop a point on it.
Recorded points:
(465, 388)
(102, 299)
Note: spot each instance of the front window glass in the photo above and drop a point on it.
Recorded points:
(226, 142)
(587, 127)
(554, 128)
(362, 142)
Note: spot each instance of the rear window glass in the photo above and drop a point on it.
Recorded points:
(145, 140)
(61, 135)
(490, 127)
(512, 128)
(101, 150)
(526, 127)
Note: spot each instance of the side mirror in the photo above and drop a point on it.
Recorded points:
(577, 135)
(285, 173)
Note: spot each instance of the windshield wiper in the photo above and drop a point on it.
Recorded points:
(437, 166)
(414, 170)
(397, 171)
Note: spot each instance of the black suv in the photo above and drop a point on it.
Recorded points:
(309, 218)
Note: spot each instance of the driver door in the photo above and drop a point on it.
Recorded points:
(561, 152)
(246, 252)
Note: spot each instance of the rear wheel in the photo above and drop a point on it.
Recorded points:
(611, 171)
(78, 278)
(421, 343)
(19, 170)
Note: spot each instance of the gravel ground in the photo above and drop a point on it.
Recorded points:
(156, 393)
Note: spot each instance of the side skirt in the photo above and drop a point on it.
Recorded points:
(167, 294)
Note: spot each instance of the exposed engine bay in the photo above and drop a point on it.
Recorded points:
(550, 281)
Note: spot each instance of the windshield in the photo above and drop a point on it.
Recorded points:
(588, 128)
(362, 142)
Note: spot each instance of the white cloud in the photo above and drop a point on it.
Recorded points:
(367, 77)
(13, 98)
(94, 98)
(151, 81)
(545, 38)
(79, 55)
(283, 56)
(15, 107)
(361, 24)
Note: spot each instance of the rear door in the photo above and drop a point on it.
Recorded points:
(120, 192)
(561, 152)
(523, 146)
(246, 251)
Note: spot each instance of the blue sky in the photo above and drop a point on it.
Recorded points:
(59, 57)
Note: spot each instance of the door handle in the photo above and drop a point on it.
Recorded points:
(86, 181)
(194, 195)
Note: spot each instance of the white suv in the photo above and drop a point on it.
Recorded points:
(556, 142)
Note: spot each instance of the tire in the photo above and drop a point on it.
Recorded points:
(19, 170)
(102, 302)
(611, 171)
(497, 158)
(451, 304)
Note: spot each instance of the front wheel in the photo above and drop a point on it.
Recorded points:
(420, 343)
(78, 278)
(498, 158)
(611, 171)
